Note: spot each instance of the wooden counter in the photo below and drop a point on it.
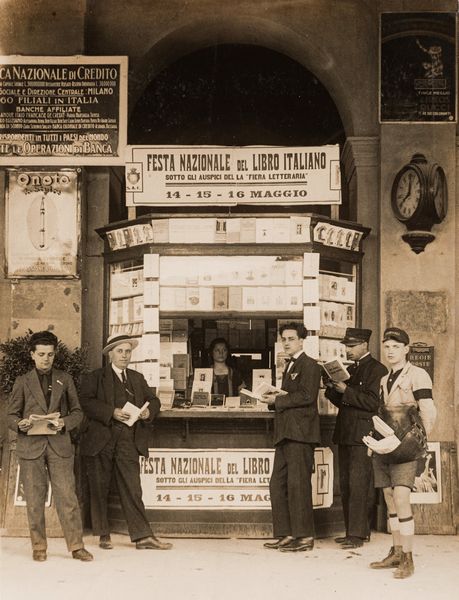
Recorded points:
(212, 430)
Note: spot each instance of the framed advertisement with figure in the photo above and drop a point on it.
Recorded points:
(19, 497)
(43, 223)
(428, 477)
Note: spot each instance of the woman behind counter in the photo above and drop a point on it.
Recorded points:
(226, 380)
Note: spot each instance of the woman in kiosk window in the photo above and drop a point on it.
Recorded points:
(226, 379)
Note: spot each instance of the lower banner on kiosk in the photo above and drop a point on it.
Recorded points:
(222, 479)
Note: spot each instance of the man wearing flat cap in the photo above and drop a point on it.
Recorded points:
(47, 391)
(111, 446)
(406, 395)
(357, 400)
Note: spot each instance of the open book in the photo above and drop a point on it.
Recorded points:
(134, 412)
(336, 370)
(40, 424)
(263, 388)
(382, 427)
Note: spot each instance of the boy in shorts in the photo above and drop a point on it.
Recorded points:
(405, 386)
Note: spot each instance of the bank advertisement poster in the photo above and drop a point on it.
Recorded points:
(43, 222)
(224, 479)
(63, 110)
(418, 67)
(227, 175)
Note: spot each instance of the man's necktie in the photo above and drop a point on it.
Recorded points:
(288, 364)
(46, 385)
(125, 383)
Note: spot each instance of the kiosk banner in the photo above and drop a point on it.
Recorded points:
(63, 110)
(200, 175)
(222, 479)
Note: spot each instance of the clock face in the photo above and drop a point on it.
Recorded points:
(439, 193)
(407, 194)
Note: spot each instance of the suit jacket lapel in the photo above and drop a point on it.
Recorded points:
(56, 392)
(136, 387)
(294, 368)
(399, 380)
(34, 385)
(108, 387)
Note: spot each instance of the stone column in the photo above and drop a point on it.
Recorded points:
(97, 186)
(361, 170)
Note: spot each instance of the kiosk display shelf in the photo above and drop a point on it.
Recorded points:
(193, 280)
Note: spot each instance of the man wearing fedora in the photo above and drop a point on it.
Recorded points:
(112, 448)
(357, 400)
(42, 391)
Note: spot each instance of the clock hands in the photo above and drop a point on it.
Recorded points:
(408, 194)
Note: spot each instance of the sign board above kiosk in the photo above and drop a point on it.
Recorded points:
(220, 175)
(66, 110)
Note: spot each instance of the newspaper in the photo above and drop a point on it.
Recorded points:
(41, 424)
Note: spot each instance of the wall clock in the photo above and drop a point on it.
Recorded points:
(419, 199)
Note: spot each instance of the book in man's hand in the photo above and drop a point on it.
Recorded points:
(263, 388)
(382, 427)
(335, 370)
(134, 412)
(41, 424)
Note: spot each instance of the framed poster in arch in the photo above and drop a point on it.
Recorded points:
(43, 223)
(418, 67)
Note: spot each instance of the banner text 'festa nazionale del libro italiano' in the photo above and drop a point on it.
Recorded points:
(200, 175)
(222, 479)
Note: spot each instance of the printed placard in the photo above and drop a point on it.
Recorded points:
(202, 175)
(66, 110)
(222, 479)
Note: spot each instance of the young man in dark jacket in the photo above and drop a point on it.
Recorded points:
(357, 400)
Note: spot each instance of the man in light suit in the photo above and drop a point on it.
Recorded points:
(42, 391)
(112, 448)
(296, 433)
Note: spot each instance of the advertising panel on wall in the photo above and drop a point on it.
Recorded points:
(220, 175)
(43, 221)
(66, 110)
(222, 479)
(427, 484)
(418, 67)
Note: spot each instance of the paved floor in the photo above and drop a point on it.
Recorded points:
(229, 569)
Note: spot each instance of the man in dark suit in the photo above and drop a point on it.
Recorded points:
(112, 448)
(296, 433)
(43, 391)
(357, 400)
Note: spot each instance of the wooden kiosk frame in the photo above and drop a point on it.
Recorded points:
(209, 434)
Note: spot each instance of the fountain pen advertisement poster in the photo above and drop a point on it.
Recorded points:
(43, 220)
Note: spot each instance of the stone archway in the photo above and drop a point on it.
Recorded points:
(237, 95)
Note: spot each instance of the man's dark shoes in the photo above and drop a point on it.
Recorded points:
(352, 542)
(345, 539)
(39, 555)
(152, 543)
(341, 539)
(298, 545)
(105, 542)
(82, 554)
(279, 543)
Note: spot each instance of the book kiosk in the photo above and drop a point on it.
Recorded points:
(176, 283)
